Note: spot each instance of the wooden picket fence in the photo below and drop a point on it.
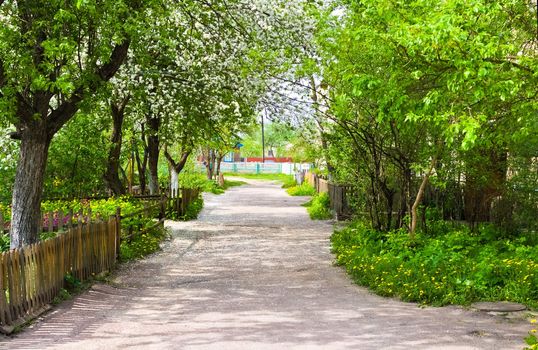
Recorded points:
(32, 276)
(180, 199)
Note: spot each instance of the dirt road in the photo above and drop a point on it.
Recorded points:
(253, 273)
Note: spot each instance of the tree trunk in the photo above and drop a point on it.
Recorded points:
(142, 164)
(484, 181)
(418, 199)
(176, 168)
(153, 154)
(111, 176)
(27, 190)
(219, 161)
(404, 195)
(174, 181)
(36, 134)
(210, 164)
(220, 177)
(318, 119)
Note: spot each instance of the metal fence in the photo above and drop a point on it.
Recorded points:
(260, 168)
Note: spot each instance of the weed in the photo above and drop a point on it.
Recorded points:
(305, 189)
(232, 183)
(532, 340)
(142, 245)
(449, 267)
(319, 208)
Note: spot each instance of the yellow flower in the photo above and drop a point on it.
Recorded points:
(533, 320)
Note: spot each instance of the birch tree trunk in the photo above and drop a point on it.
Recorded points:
(418, 198)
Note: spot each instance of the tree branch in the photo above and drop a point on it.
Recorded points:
(510, 62)
(178, 166)
(107, 71)
(67, 109)
(169, 157)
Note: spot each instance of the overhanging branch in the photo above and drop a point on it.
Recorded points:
(67, 109)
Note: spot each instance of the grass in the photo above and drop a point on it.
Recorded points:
(275, 177)
(287, 180)
(446, 266)
(232, 183)
(304, 189)
(194, 209)
(213, 187)
(289, 183)
(142, 245)
(318, 207)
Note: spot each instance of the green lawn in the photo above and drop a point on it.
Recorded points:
(277, 177)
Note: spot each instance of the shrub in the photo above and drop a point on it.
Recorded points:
(455, 267)
(212, 187)
(194, 209)
(4, 242)
(319, 208)
(305, 189)
(289, 183)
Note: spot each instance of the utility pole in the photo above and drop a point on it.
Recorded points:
(263, 137)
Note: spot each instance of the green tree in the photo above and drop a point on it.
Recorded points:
(424, 88)
(53, 56)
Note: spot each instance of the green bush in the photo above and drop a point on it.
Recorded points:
(194, 209)
(305, 189)
(4, 242)
(319, 207)
(212, 187)
(104, 208)
(454, 267)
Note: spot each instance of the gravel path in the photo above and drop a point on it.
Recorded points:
(254, 272)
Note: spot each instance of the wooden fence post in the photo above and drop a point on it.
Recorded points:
(162, 213)
(184, 200)
(70, 221)
(51, 221)
(60, 220)
(118, 232)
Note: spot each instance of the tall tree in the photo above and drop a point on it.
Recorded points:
(53, 56)
(424, 88)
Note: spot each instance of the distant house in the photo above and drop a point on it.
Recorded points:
(235, 155)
